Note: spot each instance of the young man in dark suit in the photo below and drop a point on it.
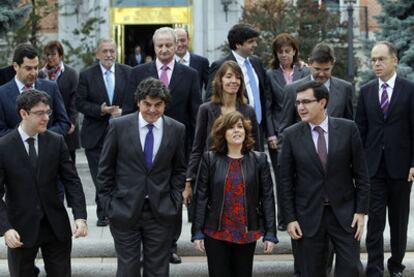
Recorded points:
(140, 180)
(385, 117)
(242, 40)
(99, 97)
(32, 216)
(26, 63)
(324, 185)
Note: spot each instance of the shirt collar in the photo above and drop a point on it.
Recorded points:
(24, 135)
(323, 125)
(143, 123)
(327, 84)
(239, 59)
(390, 82)
(186, 57)
(112, 69)
(159, 64)
(20, 85)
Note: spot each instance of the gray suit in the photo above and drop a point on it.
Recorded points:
(123, 178)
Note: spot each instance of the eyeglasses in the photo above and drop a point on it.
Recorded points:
(305, 102)
(41, 113)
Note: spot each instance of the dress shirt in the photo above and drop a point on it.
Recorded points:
(157, 132)
(104, 70)
(390, 87)
(185, 59)
(327, 84)
(240, 60)
(315, 134)
(24, 136)
(21, 86)
(288, 76)
(169, 71)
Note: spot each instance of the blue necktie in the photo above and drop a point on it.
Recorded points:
(255, 90)
(149, 146)
(109, 84)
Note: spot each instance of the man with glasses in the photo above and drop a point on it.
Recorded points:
(26, 63)
(324, 185)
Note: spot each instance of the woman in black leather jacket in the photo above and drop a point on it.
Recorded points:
(234, 200)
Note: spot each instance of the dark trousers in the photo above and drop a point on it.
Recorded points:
(226, 259)
(312, 251)
(156, 241)
(92, 155)
(177, 229)
(273, 153)
(394, 195)
(56, 255)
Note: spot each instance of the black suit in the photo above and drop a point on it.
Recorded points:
(389, 148)
(32, 205)
(263, 87)
(202, 65)
(90, 96)
(274, 108)
(132, 60)
(305, 183)
(124, 180)
(6, 74)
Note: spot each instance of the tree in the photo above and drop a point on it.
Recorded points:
(396, 22)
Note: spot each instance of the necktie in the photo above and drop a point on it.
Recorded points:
(109, 84)
(255, 90)
(26, 88)
(164, 76)
(322, 151)
(149, 146)
(181, 61)
(32, 152)
(384, 99)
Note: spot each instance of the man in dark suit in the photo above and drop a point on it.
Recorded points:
(182, 82)
(137, 57)
(385, 117)
(141, 178)
(67, 80)
(6, 74)
(321, 63)
(324, 185)
(100, 96)
(183, 56)
(242, 40)
(32, 216)
(25, 63)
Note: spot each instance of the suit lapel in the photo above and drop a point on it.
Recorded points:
(373, 99)
(134, 137)
(279, 77)
(165, 141)
(176, 76)
(396, 94)
(333, 139)
(100, 83)
(119, 75)
(22, 152)
(309, 146)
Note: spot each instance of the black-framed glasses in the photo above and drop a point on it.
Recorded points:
(305, 102)
(41, 113)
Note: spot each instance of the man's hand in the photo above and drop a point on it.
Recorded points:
(81, 228)
(268, 246)
(187, 193)
(105, 109)
(12, 239)
(116, 112)
(199, 245)
(411, 175)
(359, 221)
(72, 129)
(294, 230)
(272, 142)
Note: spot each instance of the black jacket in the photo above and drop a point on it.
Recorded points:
(259, 205)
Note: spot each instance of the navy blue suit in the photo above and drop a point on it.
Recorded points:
(9, 118)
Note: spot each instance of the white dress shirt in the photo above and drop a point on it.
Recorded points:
(24, 136)
(185, 59)
(240, 60)
(390, 87)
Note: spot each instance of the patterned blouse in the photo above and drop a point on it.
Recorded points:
(234, 220)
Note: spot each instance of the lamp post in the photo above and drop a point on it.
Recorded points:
(226, 4)
(350, 9)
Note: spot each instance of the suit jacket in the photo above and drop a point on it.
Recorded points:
(32, 194)
(123, 174)
(9, 118)
(184, 89)
(68, 84)
(304, 181)
(274, 106)
(393, 135)
(202, 65)
(132, 61)
(91, 94)
(339, 105)
(261, 74)
(6, 74)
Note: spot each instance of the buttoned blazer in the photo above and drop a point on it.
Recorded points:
(202, 65)
(339, 105)
(9, 118)
(393, 135)
(277, 83)
(123, 175)
(184, 89)
(304, 180)
(32, 194)
(91, 94)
